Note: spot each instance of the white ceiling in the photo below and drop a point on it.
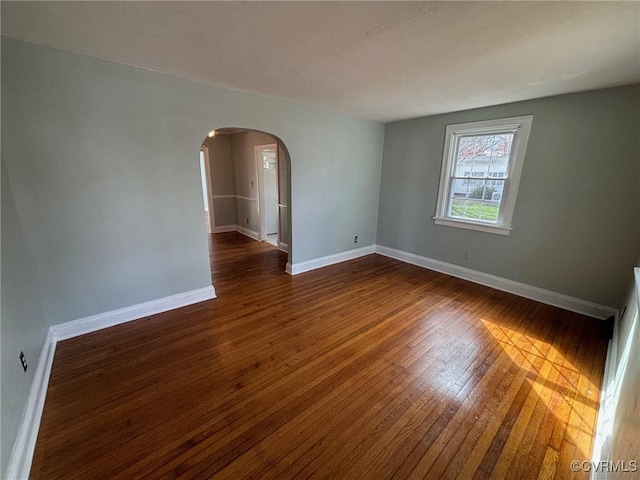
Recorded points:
(378, 60)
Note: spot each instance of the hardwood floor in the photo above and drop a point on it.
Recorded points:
(367, 369)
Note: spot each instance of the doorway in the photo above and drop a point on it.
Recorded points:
(249, 175)
(267, 165)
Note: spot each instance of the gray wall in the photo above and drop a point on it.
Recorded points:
(23, 325)
(222, 183)
(225, 211)
(575, 228)
(103, 161)
(221, 164)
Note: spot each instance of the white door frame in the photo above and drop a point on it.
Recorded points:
(281, 205)
(262, 234)
(207, 170)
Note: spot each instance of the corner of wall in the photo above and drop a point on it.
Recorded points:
(24, 327)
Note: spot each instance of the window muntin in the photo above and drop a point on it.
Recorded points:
(480, 173)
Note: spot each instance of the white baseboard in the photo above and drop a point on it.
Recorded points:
(283, 247)
(93, 323)
(25, 444)
(248, 233)
(521, 289)
(224, 229)
(296, 268)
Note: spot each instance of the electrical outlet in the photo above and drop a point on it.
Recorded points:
(23, 361)
(355, 239)
(247, 221)
(251, 183)
(467, 255)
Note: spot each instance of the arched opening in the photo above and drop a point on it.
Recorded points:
(246, 184)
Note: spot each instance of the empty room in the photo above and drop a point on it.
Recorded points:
(351, 240)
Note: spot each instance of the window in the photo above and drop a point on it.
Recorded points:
(481, 169)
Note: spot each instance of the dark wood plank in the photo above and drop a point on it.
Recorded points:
(367, 369)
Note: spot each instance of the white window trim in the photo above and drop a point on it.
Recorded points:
(521, 126)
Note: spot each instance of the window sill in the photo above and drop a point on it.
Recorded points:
(481, 227)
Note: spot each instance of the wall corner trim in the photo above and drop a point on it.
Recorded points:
(541, 295)
(296, 268)
(25, 444)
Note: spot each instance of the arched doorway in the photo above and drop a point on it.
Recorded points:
(247, 185)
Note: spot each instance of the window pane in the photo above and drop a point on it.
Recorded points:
(476, 199)
(483, 155)
(460, 188)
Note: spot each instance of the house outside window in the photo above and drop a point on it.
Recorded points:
(481, 169)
